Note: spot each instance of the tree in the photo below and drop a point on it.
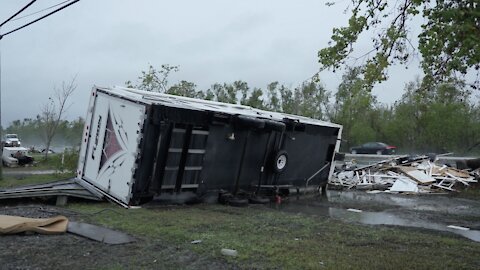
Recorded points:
(449, 41)
(353, 109)
(254, 99)
(53, 111)
(311, 100)
(185, 89)
(224, 92)
(438, 120)
(154, 80)
(273, 101)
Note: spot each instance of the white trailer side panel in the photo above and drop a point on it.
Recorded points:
(110, 146)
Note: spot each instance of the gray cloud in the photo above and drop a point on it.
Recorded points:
(109, 42)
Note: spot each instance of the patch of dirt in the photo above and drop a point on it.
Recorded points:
(68, 251)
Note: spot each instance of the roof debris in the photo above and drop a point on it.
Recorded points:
(404, 174)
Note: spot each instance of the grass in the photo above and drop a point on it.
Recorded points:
(27, 179)
(266, 238)
(54, 161)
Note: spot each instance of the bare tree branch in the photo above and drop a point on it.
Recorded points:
(54, 110)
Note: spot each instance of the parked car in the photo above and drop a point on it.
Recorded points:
(16, 156)
(378, 148)
(11, 140)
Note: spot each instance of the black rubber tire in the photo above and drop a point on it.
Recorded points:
(280, 161)
(237, 202)
(224, 197)
(258, 200)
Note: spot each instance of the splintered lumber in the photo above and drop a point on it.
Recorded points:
(417, 175)
(405, 174)
(404, 184)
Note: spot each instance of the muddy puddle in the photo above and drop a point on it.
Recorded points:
(434, 212)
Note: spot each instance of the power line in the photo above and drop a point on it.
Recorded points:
(18, 12)
(42, 10)
(44, 16)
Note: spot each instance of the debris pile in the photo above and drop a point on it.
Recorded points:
(404, 174)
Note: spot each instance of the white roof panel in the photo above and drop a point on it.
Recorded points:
(207, 105)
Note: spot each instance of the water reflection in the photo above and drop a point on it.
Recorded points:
(386, 218)
(398, 210)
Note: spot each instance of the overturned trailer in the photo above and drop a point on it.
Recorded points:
(138, 145)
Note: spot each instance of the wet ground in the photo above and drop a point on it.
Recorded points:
(426, 212)
(69, 251)
(432, 212)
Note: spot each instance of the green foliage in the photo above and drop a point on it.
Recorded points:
(353, 109)
(29, 179)
(309, 99)
(61, 162)
(273, 101)
(228, 92)
(70, 160)
(186, 89)
(443, 118)
(154, 80)
(449, 41)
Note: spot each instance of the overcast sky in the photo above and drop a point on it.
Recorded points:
(108, 42)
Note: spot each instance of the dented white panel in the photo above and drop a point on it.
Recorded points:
(109, 151)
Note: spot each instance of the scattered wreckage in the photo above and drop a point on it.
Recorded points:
(406, 174)
(16, 156)
(61, 224)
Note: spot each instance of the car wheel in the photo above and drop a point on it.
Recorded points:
(354, 152)
(379, 152)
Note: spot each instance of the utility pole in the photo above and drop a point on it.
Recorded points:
(1, 127)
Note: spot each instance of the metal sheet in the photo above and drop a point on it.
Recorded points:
(58, 188)
(100, 234)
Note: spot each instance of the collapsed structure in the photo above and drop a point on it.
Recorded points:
(407, 174)
(137, 145)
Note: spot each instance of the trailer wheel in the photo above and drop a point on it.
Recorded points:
(238, 202)
(258, 200)
(228, 199)
(280, 161)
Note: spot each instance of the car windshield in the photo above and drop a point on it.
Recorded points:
(11, 136)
